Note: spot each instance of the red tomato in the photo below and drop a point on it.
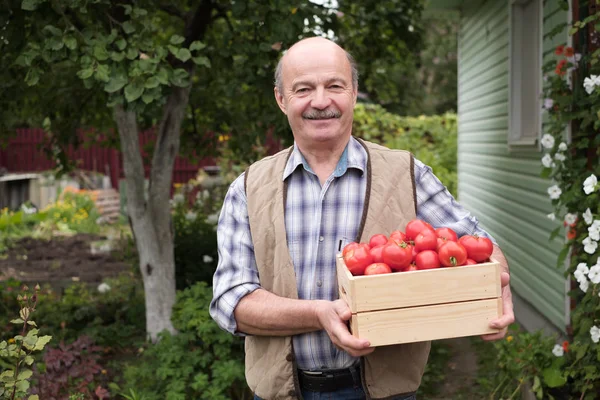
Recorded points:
(414, 253)
(440, 242)
(398, 236)
(427, 259)
(426, 240)
(397, 255)
(377, 254)
(478, 248)
(378, 240)
(378, 268)
(411, 267)
(452, 254)
(349, 247)
(414, 227)
(358, 259)
(447, 234)
(470, 262)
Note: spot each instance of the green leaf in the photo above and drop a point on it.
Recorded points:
(197, 45)
(33, 397)
(118, 57)
(29, 360)
(128, 27)
(553, 377)
(147, 98)
(54, 44)
(184, 54)
(133, 91)
(85, 73)
(22, 386)
(152, 82)
(25, 374)
(121, 44)
(100, 53)
(52, 30)
(132, 53)
(17, 320)
(32, 323)
(201, 60)
(32, 78)
(102, 73)
(573, 31)
(42, 342)
(70, 42)
(115, 84)
(176, 39)
(29, 5)
(163, 76)
(180, 77)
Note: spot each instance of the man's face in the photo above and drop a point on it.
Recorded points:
(317, 97)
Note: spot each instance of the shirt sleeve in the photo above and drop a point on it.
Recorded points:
(437, 206)
(236, 274)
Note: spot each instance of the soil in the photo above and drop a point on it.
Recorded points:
(461, 373)
(59, 261)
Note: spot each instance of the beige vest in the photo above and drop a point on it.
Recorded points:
(390, 203)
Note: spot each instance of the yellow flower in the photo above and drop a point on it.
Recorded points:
(103, 372)
(11, 340)
(509, 339)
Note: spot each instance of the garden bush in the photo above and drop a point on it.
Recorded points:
(432, 139)
(201, 362)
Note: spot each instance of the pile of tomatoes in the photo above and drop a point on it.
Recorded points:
(418, 247)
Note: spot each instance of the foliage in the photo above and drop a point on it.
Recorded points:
(431, 139)
(195, 210)
(73, 212)
(16, 354)
(571, 164)
(70, 367)
(201, 362)
(17, 224)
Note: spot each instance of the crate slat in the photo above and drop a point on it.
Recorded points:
(416, 324)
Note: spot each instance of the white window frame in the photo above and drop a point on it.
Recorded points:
(517, 138)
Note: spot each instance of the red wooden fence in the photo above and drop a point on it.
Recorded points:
(24, 153)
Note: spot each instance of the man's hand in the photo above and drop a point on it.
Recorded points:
(508, 316)
(332, 316)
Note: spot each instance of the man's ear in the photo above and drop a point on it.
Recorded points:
(355, 92)
(279, 99)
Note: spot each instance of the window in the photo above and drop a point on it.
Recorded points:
(525, 68)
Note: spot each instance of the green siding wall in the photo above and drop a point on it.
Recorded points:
(501, 187)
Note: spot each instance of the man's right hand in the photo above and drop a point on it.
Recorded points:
(332, 316)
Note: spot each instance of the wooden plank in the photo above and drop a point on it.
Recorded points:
(417, 324)
(345, 285)
(418, 288)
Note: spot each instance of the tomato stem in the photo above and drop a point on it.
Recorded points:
(453, 261)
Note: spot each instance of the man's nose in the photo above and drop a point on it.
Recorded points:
(320, 99)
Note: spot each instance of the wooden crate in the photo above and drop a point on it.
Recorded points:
(414, 306)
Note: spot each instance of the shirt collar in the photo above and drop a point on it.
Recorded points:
(354, 156)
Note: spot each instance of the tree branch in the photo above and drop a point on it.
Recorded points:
(132, 160)
(198, 24)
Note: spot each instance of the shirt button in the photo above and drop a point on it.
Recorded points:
(321, 238)
(319, 283)
(289, 357)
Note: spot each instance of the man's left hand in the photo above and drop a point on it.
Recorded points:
(508, 316)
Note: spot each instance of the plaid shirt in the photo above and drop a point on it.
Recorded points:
(317, 218)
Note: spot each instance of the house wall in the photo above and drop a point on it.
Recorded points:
(502, 187)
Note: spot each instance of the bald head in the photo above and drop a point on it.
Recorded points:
(306, 47)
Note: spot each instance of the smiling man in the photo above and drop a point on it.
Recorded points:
(282, 223)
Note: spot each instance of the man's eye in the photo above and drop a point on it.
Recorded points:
(335, 86)
(301, 90)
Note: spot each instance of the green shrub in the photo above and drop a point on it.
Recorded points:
(74, 212)
(432, 139)
(201, 362)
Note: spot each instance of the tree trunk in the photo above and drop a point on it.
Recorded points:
(150, 217)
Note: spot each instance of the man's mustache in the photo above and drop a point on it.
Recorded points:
(322, 114)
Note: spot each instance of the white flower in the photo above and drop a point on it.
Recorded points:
(574, 59)
(547, 141)
(587, 216)
(103, 287)
(548, 103)
(583, 268)
(584, 285)
(595, 334)
(579, 276)
(551, 216)
(558, 350)
(594, 230)
(191, 216)
(590, 83)
(547, 161)
(562, 146)
(207, 259)
(560, 157)
(178, 198)
(554, 192)
(570, 218)
(589, 185)
(589, 246)
(212, 218)
(594, 274)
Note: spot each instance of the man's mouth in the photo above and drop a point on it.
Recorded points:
(321, 114)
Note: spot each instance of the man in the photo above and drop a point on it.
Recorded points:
(282, 223)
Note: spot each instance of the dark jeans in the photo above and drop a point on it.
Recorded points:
(342, 394)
